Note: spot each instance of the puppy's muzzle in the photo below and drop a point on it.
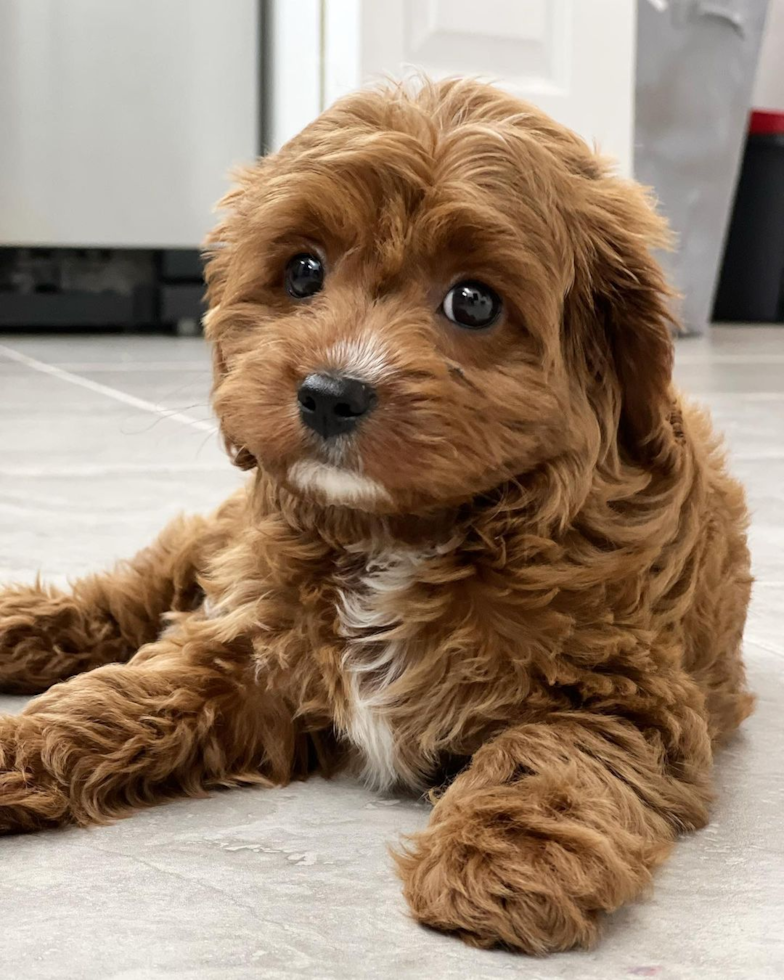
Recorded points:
(332, 405)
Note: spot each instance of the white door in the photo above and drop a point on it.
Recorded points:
(573, 58)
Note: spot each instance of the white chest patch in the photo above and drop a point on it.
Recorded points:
(373, 659)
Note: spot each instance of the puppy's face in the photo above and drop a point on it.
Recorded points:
(390, 296)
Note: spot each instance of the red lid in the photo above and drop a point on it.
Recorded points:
(764, 123)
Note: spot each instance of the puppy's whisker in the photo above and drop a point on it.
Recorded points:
(205, 440)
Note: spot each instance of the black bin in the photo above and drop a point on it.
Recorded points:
(751, 286)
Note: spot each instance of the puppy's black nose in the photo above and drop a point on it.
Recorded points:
(333, 406)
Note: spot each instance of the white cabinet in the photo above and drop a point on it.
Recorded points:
(120, 118)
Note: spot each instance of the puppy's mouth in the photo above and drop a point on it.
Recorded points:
(336, 484)
(333, 407)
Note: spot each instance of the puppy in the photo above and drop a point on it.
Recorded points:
(486, 548)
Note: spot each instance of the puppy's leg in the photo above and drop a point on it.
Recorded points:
(551, 825)
(185, 714)
(47, 635)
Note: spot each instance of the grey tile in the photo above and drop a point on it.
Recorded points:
(764, 631)
(67, 525)
(706, 377)
(11, 705)
(73, 351)
(753, 340)
(739, 359)
(27, 392)
(296, 882)
(108, 435)
(764, 482)
(85, 479)
(767, 552)
(751, 428)
(184, 388)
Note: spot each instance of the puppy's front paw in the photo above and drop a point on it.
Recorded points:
(530, 864)
(504, 897)
(29, 797)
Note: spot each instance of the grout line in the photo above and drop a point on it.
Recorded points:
(762, 644)
(755, 457)
(125, 367)
(736, 396)
(101, 389)
(108, 469)
(711, 357)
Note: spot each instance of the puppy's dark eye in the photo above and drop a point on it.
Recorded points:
(472, 305)
(304, 275)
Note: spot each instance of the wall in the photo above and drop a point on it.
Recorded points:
(769, 84)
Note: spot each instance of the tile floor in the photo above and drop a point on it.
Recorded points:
(297, 882)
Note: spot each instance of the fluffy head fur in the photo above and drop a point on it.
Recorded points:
(523, 579)
(404, 194)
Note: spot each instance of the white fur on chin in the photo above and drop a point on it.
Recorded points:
(339, 486)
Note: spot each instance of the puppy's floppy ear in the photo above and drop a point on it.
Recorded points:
(242, 457)
(217, 254)
(618, 324)
(239, 455)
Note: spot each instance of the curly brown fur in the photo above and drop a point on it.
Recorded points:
(528, 561)
(49, 635)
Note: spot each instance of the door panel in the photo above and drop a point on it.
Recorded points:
(573, 58)
(515, 40)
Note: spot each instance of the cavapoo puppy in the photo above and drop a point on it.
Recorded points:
(485, 547)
